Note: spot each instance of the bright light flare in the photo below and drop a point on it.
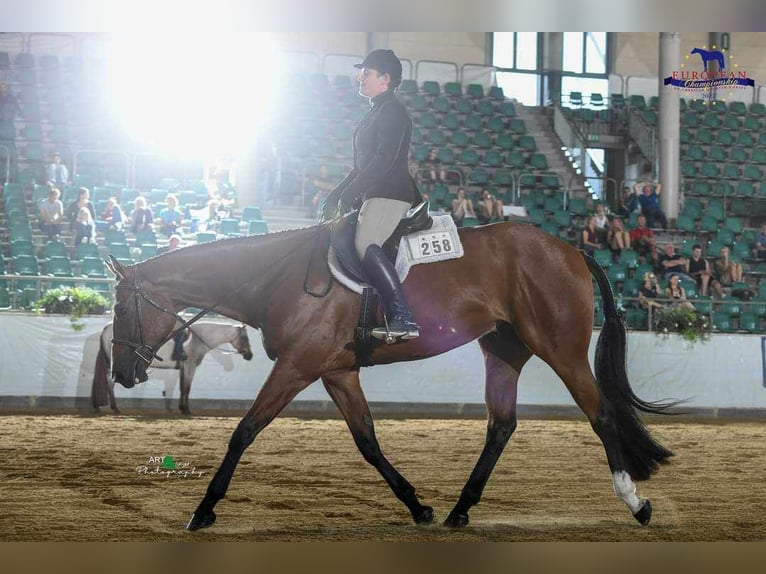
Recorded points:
(191, 94)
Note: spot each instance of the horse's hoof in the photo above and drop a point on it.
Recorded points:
(425, 515)
(201, 520)
(644, 514)
(456, 520)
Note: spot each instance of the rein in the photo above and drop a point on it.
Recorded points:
(315, 249)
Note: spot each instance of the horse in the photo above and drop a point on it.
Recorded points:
(517, 290)
(710, 55)
(204, 336)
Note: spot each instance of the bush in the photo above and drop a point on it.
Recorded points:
(73, 301)
(688, 323)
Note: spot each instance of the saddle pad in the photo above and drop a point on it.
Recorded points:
(439, 243)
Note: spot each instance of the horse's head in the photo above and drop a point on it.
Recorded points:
(143, 321)
(242, 343)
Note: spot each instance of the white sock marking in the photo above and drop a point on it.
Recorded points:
(626, 490)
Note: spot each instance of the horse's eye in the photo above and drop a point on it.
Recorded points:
(120, 309)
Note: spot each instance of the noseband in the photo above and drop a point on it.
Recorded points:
(147, 353)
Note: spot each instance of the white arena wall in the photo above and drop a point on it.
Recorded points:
(44, 363)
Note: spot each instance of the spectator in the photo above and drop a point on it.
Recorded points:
(489, 207)
(642, 239)
(52, 214)
(322, 185)
(141, 219)
(617, 238)
(84, 222)
(675, 292)
(629, 203)
(171, 219)
(73, 210)
(112, 218)
(174, 242)
(602, 223)
(649, 292)
(434, 168)
(462, 207)
(671, 262)
(589, 237)
(725, 271)
(759, 252)
(698, 268)
(650, 203)
(58, 174)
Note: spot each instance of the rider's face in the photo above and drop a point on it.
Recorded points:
(372, 82)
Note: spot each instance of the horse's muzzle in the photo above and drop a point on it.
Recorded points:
(138, 375)
(247, 356)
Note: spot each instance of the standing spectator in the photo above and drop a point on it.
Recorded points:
(73, 210)
(51, 214)
(84, 222)
(141, 219)
(171, 219)
(725, 271)
(670, 262)
(112, 218)
(58, 174)
(650, 203)
(759, 252)
(642, 239)
(699, 269)
(675, 292)
(649, 292)
(462, 207)
(489, 207)
(617, 238)
(589, 238)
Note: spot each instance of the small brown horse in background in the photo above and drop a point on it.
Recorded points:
(517, 290)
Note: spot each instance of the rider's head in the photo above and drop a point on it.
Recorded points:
(380, 71)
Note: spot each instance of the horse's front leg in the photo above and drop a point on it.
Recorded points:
(346, 392)
(283, 383)
(186, 374)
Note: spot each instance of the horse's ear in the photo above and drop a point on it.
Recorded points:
(115, 267)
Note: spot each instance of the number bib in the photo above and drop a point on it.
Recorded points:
(436, 244)
(428, 244)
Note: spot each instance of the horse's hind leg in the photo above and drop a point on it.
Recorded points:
(504, 356)
(346, 392)
(186, 373)
(283, 383)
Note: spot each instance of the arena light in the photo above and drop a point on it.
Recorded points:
(191, 94)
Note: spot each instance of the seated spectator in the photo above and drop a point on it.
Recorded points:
(141, 219)
(648, 292)
(73, 211)
(589, 238)
(174, 242)
(323, 185)
(462, 207)
(629, 203)
(602, 223)
(51, 214)
(617, 238)
(84, 223)
(489, 207)
(433, 168)
(642, 240)
(698, 268)
(759, 252)
(670, 262)
(725, 271)
(650, 203)
(171, 219)
(58, 174)
(675, 292)
(112, 218)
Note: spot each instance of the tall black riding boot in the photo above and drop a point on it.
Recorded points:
(380, 271)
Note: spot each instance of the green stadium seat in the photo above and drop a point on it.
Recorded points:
(731, 171)
(711, 121)
(517, 126)
(478, 177)
(617, 101)
(749, 322)
(256, 227)
(426, 120)
(710, 171)
(206, 236)
(441, 105)
(450, 122)
(758, 156)
(437, 137)
(55, 249)
(453, 89)
(537, 216)
(578, 206)
(737, 108)
(705, 136)
(463, 106)
(731, 122)
(507, 109)
(745, 139)
(485, 108)
(722, 322)
(502, 178)
(516, 160)
(473, 122)
(738, 155)
(229, 227)
(496, 93)
(60, 267)
(482, 140)
(629, 258)
(528, 143)
(695, 153)
(445, 155)
(459, 139)
(538, 161)
(731, 308)
(496, 124)
(596, 100)
(688, 169)
(469, 157)
(757, 109)
(25, 265)
(562, 219)
(493, 158)
(617, 273)
(93, 267)
(753, 173)
(408, 87)
(685, 223)
(474, 91)
(431, 88)
(690, 120)
(417, 103)
(22, 247)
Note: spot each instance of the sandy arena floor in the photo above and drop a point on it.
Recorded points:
(76, 478)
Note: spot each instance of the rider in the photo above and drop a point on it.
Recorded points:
(381, 184)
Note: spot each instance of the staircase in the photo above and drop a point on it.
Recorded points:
(548, 143)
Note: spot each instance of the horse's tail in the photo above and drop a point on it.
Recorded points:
(641, 452)
(100, 390)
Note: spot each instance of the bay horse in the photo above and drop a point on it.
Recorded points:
(517, 290)
(204, 337)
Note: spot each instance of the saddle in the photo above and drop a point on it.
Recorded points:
(344, 231)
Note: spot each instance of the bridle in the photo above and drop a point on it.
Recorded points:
(147, 353)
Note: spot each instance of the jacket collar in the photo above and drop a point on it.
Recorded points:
(381, 98)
